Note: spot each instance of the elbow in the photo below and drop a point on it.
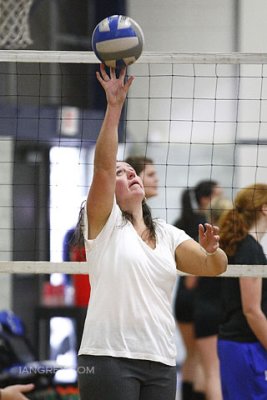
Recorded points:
(224, 266)
(217, 271)
(251, 312)
(224, 262)
(219, 264)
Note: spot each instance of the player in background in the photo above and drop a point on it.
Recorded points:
(242, 344)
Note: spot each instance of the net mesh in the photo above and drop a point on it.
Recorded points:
(14, 24)
(197, 116)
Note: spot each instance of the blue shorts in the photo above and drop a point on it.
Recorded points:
(243, 369)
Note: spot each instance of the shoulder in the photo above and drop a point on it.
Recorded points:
(249, 243)
(115, 219)
(250, 251)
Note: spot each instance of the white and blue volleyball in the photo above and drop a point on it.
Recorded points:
(117, 41)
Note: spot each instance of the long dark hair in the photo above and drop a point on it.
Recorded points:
(78, 237)
(138, 163)
(148, 220)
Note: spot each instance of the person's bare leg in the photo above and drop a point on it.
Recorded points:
(191, 369)
(207, 348)
(199, 378)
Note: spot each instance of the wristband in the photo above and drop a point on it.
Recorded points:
(207, 254)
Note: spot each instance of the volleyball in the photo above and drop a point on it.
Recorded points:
(117, 41)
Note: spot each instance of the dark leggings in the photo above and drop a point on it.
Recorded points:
(112, 378)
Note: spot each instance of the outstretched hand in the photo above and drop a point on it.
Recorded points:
(209, 237)
(15, 392)
(116, 88)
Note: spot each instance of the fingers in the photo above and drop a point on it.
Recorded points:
(211, 229)
(201, 231)
(98, 77)
(113, 73)
(116, 88)
(129, 82)
(122, 74)
(24, 388)
(102, 77)
(27, 388)
(209, 232)
(201, 228)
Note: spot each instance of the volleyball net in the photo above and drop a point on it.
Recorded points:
(197, 116)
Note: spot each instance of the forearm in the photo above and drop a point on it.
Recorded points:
(107, 142)
(193, 259)
(215, 263)
(258, 324)
(101, 194)
(116, 90)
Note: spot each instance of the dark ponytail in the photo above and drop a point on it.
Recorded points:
(191, 217)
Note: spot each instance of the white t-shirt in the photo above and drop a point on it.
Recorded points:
(129, 313)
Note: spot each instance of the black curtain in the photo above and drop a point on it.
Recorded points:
(30, 227)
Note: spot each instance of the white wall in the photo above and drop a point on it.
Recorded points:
(200, 26)
(180, 26)
(252, 38)
(253, 27)
(186, 25)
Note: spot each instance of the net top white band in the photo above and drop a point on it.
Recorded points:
(88, 57)
(47, 267)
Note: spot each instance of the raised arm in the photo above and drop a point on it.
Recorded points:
(204, 258)
(101, 193)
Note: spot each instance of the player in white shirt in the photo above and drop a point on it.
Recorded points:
(128, 348)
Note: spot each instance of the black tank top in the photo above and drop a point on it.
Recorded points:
(234, 325)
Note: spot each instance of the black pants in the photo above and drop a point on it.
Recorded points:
(112, 378)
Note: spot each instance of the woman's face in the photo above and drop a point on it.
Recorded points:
(205, 201)
(129, 186)
(216, 192)
(150, 180)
